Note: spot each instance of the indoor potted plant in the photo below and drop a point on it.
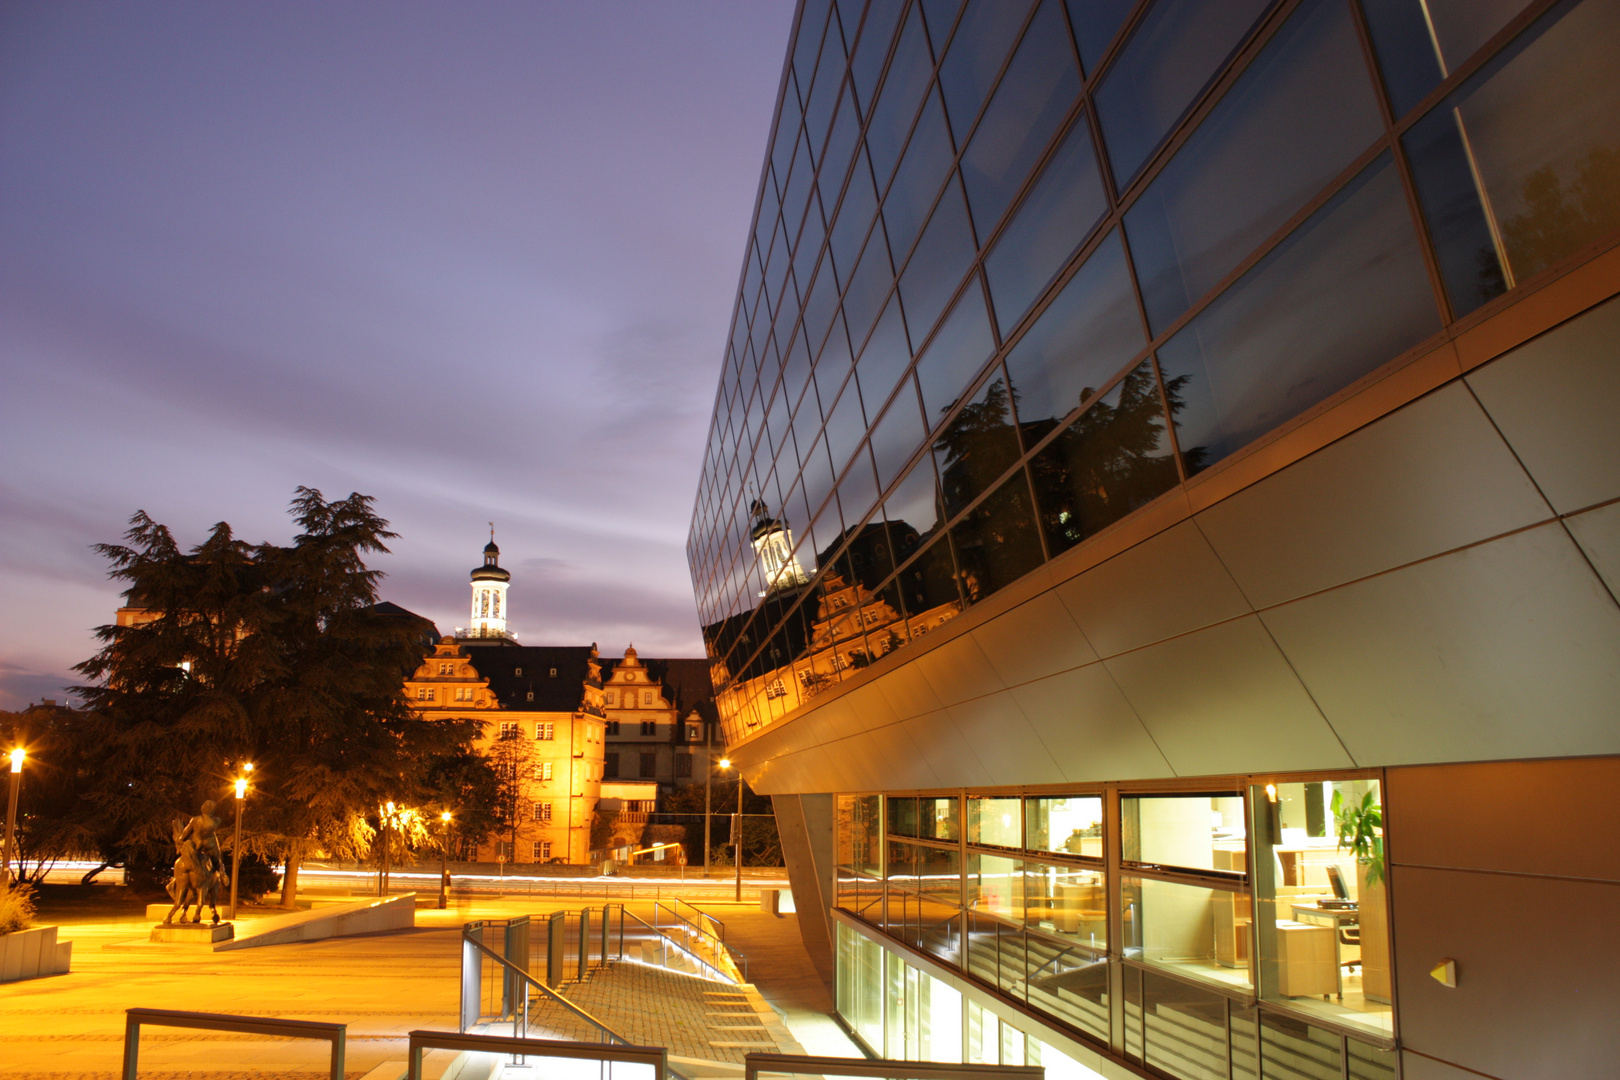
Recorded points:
(1360, 825)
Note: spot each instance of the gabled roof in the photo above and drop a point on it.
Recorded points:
(516, 670)
(391, 610)
(686, 683)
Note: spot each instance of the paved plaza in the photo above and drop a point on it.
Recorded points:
(382, 986)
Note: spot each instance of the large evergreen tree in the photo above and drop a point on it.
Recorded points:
(263, 653)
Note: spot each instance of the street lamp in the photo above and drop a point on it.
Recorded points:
(17, 755)
(236, 844)
(387, 823)
(736, 825)
(444, 855)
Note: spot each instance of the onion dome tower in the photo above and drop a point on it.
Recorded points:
(489, 583)
(773, 547)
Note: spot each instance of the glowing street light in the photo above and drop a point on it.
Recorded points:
(444, 855)
(236, 844)
(17, 756)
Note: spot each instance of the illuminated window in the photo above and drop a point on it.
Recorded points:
(517, 671)
(542, 811)
(509, 729)
(542, 849)
(542, 770)
(546, 731)
(424, 693)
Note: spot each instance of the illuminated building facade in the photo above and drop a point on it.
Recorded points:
(1193, 423)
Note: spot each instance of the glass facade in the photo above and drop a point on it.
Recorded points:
(1240, 931)
(1021, 267)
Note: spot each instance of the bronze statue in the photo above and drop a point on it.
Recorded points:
(199, 866)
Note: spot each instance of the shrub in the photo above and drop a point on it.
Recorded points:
(16, 908)
(257, 877)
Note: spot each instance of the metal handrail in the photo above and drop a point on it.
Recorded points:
(741, 975)
(656, 1056)
(754, 1064)
(704, 915)
(335, 1034)
(530, 980)
(704, 931)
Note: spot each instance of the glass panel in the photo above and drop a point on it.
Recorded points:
(854, 218)
(1194, 832)
(869, 287)
(942, 256)
(978, 445)
(860, 833)
(857, 491)
(1068, 824)
(1298, 116)
(1306, 1052)
(1053, 221)
(937, 817)
(995, 886)
(897, 436)
(993, 820)
(1112, 460)
(884, 357)
(824, 91)
(1322, 913)
(902, 864)
(929, 589)
(898, 100)
(1462, 26)
(976, 54)
(914, 505)
(1021, 118)
(1507, 194)
(1369, 1062)
(1185, 1028)
(997, 542)
(1344, 293)
(1196, 931)
(902, 816)
(1069, 981)
(845, 426)
(939, 1021)
(1088, 332)
(995, 952)
(918, 180)
(1173, 54)
(877, 33)
(1405, 51)
(846, 134)
(865, 1009)
(955, 357)
(1244, 1022)
(1069, 902)
(1095, 23)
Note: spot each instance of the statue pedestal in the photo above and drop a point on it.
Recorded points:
(193, 933)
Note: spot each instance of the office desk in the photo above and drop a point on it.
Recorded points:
(1337, 918)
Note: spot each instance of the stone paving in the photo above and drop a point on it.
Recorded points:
(71, 1027)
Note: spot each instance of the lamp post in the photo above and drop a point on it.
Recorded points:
(17, 755)
(736, 826)
(708, 787)
(444, 856)
(387, 824)
(236, 842)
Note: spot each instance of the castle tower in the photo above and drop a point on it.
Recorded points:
(489, 584)
(773, 546)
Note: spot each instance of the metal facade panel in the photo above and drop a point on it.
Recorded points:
(942, 746)
(1224, 700)
(1555, 400)
(1034, 640)
(1538, 971)
(1089, 728)
(1005, 743)
(1426, 479)
(1506, 649)
(958, 670)
(1162, 587)
(908, 692)
(1598, 534)
(1494, 816)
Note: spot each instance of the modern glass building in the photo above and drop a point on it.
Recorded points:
(1159, 534)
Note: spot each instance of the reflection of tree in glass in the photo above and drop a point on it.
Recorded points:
(1110, 461)
(979, 445)
(1557, 218)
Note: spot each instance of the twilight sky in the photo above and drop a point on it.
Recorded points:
(474, 259)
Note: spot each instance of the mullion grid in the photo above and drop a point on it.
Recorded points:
(1119, 203)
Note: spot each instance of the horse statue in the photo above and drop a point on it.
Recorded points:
(199, 867)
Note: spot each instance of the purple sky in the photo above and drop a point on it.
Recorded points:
(475, 260)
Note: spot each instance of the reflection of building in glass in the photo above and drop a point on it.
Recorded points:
(1192, 422)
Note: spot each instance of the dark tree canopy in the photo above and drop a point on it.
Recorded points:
(270, 654)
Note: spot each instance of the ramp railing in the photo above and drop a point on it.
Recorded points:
(774, 1066)
(135, 1019)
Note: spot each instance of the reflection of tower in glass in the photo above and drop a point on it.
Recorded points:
(773, 547)
(489, 583)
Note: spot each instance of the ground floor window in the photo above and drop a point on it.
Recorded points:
(542, 850)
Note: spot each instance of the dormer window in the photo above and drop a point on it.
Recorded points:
(517, 671)
(553, 673)
(531, 695)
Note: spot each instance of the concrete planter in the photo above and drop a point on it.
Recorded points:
(28, 954)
